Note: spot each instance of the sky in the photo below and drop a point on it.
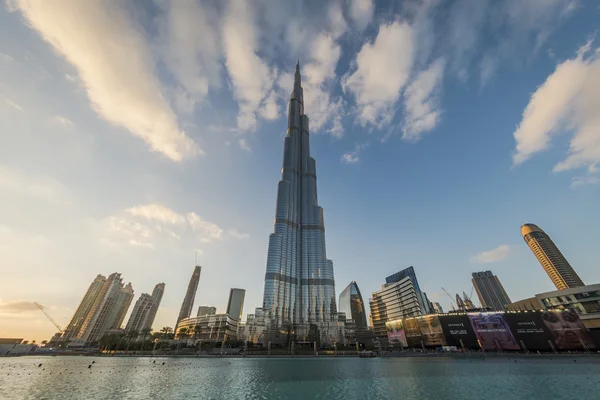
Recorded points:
(140, 136)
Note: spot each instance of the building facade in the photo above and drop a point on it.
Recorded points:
(584, 300)
(206, 310)
(299, 293)
(108, 311)
(235, 304)
(552, 260)
(144, 310)
(490, 291)
(208, 328)
(352, 305)
(190, 296)
(437, 308)
(410, 273)
(396, 300)
(529, 304)
(83, 310)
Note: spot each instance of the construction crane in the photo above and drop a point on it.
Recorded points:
(42, 309)
(451, 300)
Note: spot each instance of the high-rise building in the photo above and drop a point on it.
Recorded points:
(459, 303)
(190, 296)
(468, 302)
(351, 303)
(399, 298)
(206, 310)
(490, 291)
(299, 282)
(410, 273)
(437, 308)
(235, 304)
(83, 310)
(556, 265)
(144, 311)
(108, 310)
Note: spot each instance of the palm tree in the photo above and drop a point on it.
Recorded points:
(197, 331)
(130, 336)
(166, 330)
(145, 334)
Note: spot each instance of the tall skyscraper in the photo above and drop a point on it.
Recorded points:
(190, 296)
(144, 311)
(235, 304)
(399, 298)
(437, 308)
(83, 310)
(351, 303)
(299, 281)
(490, 291)
(108, 310)
(556, 265)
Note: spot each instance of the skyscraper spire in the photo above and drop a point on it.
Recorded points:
(297, 77)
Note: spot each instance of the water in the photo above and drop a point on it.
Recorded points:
(299, 378)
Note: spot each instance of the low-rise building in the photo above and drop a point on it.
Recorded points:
(212, 328)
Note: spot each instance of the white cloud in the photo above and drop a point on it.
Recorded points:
(238, 235)
(421, 100)
(13, 104)
(578, 181)
(115, 67)
(383, 69)
(243, 143)
(198, 224)
(137, 243)
(60, 120)
(157, 212)
(361, 12)
(353, 157)
(191, 45)
(14, 181)
(270, 109)
(497, 254)
(566, 102)
(487, 68)
(128, 227)
(250, 75)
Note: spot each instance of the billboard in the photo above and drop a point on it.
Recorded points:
(567, 329)
(458, 331)
(431, 331)
(395, 332)
(493, 332)
(413, 333)
(530, 330)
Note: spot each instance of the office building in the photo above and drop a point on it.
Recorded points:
(410, 273)
(299, 283)
(490, 291)
(399, 298)
(235, 304)
(108, 310)
(144, 310)
(83, 310)
(552, 260)
(254, 328)
(352, 305)
(437, 308)
(529, 304)
(584, 300)
(206, 310)
(190, 296)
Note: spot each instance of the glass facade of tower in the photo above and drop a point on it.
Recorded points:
(490, 291)
(299, 282)
(351, 303)
(556, 265)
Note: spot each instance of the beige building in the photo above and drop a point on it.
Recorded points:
(556, 265)
(144, 311)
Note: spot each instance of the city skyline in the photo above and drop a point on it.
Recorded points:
(136, 138)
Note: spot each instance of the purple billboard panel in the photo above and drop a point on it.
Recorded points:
(567, 329)
(458, 331)
(395, 332)
(431, 330)
(493, 332)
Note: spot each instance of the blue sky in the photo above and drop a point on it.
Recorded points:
(137, 134)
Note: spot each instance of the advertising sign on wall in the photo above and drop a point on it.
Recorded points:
(395, 332)
(567, 329)
(412, 329)
(493, 332)
(530, 330)
(458, 331)
(431, 330)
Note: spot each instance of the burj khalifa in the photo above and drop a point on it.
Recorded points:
(299, 283)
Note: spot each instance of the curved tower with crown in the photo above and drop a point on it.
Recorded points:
(299, 294)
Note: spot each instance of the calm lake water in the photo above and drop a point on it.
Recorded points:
(299, 378)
